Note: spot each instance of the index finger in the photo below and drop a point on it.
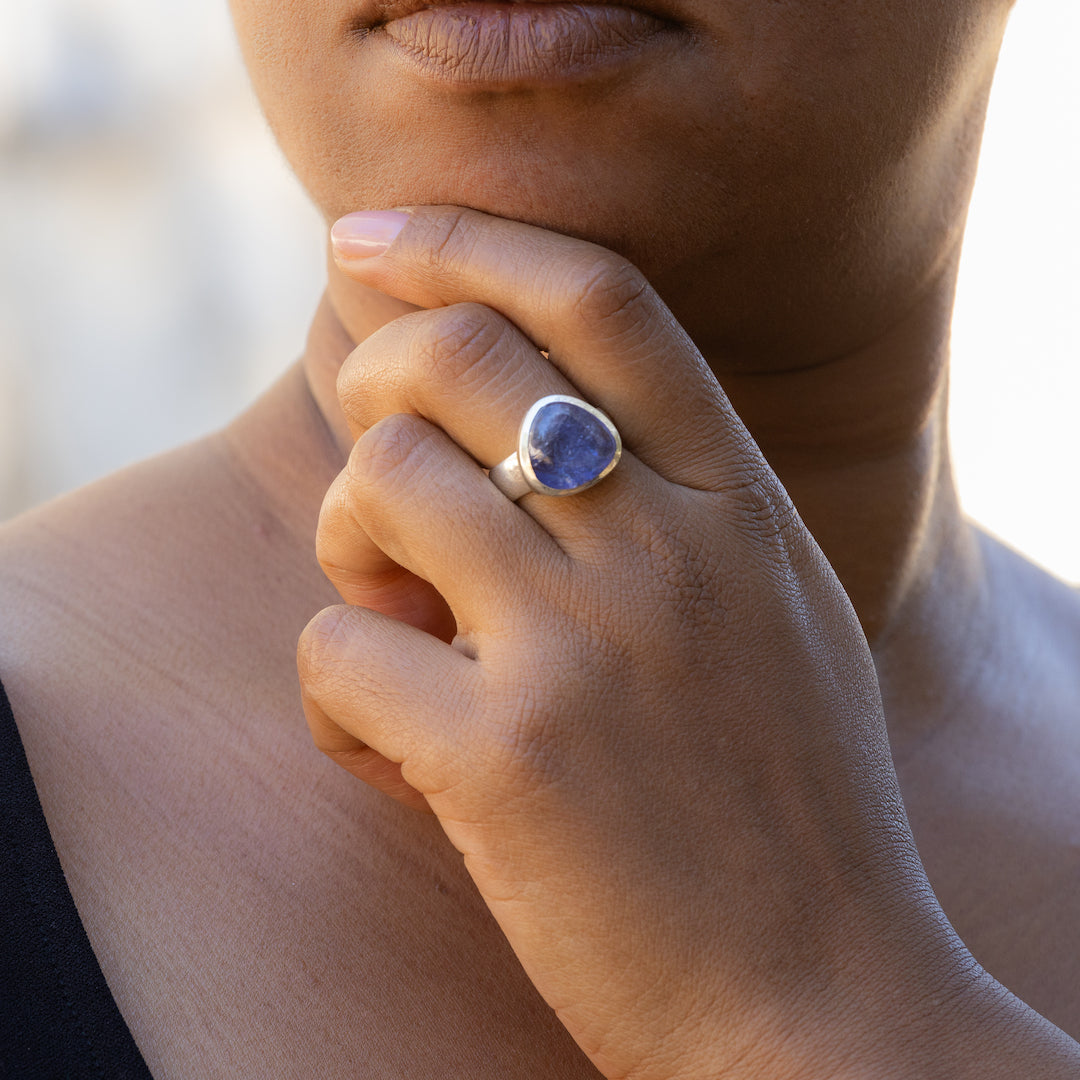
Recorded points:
(604, 326)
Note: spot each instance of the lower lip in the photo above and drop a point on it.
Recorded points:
(505, 46)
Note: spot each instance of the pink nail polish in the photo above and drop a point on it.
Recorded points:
(366, 234)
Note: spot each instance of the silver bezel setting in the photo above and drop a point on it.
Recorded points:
(525, 464)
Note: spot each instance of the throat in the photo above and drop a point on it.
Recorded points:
(860, 441)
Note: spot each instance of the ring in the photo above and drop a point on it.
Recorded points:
(564, 446)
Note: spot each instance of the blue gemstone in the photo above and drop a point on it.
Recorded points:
(568, 446)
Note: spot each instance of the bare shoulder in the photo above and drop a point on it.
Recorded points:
(286, 920)
(1046, 609)
(73, 575)
(992, 794)
(125, 584)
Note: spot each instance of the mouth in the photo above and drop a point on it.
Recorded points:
(377, 13)
(501, 45)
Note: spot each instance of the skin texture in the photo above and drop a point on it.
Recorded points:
(856, 125)
(779, 869)
(794, 198)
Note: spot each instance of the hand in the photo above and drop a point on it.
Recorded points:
(656, 737)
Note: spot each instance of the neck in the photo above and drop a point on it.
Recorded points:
(861, 444)
(859, 441)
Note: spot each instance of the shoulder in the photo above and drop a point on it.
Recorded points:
(1042, 608)
(993, 791)
(147, 635)
(132, 604)
(1030, 679)
(76, 575)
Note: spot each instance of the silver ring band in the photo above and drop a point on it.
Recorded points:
(565, 445)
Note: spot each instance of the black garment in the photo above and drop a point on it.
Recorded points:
(58, 1019)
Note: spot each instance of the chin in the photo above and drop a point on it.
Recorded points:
(639, 211)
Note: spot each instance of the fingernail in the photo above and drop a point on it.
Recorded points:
(366, 234)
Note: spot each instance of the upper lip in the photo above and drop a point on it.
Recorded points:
(375, 13)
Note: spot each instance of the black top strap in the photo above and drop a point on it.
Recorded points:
(58, 1019)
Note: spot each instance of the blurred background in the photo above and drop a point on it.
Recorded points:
(159, 265)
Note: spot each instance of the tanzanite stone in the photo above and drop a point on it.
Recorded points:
(568, 446)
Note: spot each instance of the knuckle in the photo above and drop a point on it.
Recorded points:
(335, 517)
(356, 383)
(532, 755)
(321, 644)
(344, 556)
(613, 294)
(543, 747)
(763, 506)
(462, 344)
(367, 378)
(443, 239)
(688, 585)
(390, 454)
(330, 663)
(695, 592)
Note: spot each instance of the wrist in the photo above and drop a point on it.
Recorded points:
(984, 1032)
(927, 1012)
